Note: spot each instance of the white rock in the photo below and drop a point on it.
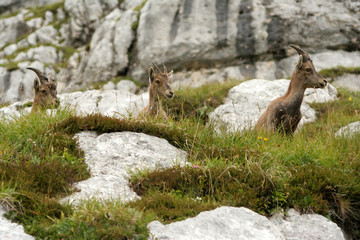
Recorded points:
(49, 17)
(349, 130)
(247, 101)
(127, 85)
(45, 54)
(307, 226)
(113, 103)
(35, 22)
(225, 223)
(349, 81)
(109, 86)
(10, 49)
(10, 230)
(112, 156)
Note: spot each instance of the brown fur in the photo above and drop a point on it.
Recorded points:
(159, 88)
(45, 91)
(283, 114)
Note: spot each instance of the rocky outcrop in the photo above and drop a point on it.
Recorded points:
(110, 168)
(205, 33)
(85, 18)
(10, 230)
(349, 130)
(247, 101)
(241, 223)
(110, 43)
(348, 81)
(307, 226)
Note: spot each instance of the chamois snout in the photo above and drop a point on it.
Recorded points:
(169, 94)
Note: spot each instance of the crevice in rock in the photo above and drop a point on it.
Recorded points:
(222, 11)
(245, 40)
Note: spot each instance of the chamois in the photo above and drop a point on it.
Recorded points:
(283, 114)
(45, 91)
(159, 88)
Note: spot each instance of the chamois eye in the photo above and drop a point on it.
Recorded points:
(43, 91)
(157, 81)
(308, 69)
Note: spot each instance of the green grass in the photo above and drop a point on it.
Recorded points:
(339, 71)
(313, 172)
(39, 12)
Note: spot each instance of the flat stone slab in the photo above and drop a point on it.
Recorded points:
(111, 157)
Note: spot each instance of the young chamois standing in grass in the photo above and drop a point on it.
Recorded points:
(283, 114)
(45, 91)
(159, 88)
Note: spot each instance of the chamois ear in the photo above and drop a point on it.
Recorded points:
(151, 74)
(299, 64)
(36, 85)
(170, 75)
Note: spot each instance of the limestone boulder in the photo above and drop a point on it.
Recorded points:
(114, 103)
(307, 226)
(228, 223)
(10, 230)
(247, 101)
(231, 223)
(349, 130)
(348, 81)
(127, 85)
(110, 168)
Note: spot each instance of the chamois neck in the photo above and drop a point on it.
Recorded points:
(295, 92)
(154, 100)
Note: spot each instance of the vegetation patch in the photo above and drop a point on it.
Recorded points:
(332, 73)
(39, 12)
(313, 172)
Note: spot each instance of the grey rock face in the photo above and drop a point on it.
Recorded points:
(200, 33)
(230, 223)
(12, 28)
(227, 223)
(349, 130)
(7, 6)
(246, 102)
(307, 226)
(110, 43)
(85, 16)
(112, 156)
(349, 81)
(10, 230)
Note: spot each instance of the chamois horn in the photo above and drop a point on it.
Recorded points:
(301, 52)
(41, 75)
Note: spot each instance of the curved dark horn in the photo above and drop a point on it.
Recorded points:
(41, 76)
(301, 52)
(165, 69)
(157, 69)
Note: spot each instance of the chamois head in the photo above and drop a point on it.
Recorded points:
(305, 70)
(160, 81)
(45, 91)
